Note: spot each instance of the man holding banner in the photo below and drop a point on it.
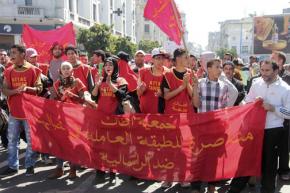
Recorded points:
(22, 77)
(275, 94)
(210, 94)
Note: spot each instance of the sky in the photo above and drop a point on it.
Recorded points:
(203, 16)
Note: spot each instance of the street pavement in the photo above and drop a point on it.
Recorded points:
(86, 183)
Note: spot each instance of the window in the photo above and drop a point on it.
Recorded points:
(111, 4)
(146, 28)
(245, 49)
(124, 27)
(233, 38)
(70, 5)
(95, 12)
(124, 9)
(234, 48)
(111, 19)
(28, 2)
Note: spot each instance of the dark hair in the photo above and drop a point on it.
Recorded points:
(229, 54)
(254, 57)
(230, 63)
(74, 49)
(108, 54)
(20, 48)
(193, 56)
(210, 63)
(115, 73)
(178, 52)
(281, 55)
(274, 64)
(54, 45)
(83, 54)
(100, 53)
(123, 55)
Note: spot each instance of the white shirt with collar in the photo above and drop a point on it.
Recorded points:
(233, 92)
(276, 94)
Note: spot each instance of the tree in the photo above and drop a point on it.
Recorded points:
(148, 45)
(124, 44)
(220, 52)
(96, 37)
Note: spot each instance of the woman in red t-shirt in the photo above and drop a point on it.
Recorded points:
(110, 92)
(67, 87)
(72, 90)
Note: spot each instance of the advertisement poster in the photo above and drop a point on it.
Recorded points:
(271, 33)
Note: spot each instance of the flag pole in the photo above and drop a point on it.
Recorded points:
(178, 23)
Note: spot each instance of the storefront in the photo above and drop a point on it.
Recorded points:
(11, 33)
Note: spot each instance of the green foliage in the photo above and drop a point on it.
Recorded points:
(148, 45)
(100, 36)
(124, 44)
(222, 51)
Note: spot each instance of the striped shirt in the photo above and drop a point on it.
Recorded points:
(213, 95)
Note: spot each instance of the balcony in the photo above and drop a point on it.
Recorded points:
(23, 11)
(72, 16)
(84, 21)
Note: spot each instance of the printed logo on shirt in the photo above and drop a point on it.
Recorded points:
(19, 81)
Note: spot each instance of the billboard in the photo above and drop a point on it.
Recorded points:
(271, 33)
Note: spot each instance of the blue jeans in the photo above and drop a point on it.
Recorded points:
(14, 128)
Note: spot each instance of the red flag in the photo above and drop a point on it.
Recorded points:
(126, 72)
(165, 15)
(43, 40)
(207, 146)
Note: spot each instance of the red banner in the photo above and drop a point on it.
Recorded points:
(165, 15)
(43, 40)
(126, 72)
(207, 146)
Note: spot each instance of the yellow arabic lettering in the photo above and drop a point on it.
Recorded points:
(113, 122)
(124, 122)
(166, 143)
(167, 165)
(120, 139)
(248, 137)
(219, 142)
(50, 124)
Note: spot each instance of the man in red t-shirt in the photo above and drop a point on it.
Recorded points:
(46, 79)
(177, 85)
(20, 78)
(80, 70)
(149, 82)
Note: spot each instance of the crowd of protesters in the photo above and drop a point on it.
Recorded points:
(178, 83)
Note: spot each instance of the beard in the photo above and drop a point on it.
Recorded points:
(57, 55)
(268, 79)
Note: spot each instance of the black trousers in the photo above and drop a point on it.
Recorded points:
(283, 152)
(271, 146)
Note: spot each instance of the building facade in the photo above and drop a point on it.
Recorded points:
(121, 14)
(238, 35)
(214, 43)
(45, 15)
(145, 29)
